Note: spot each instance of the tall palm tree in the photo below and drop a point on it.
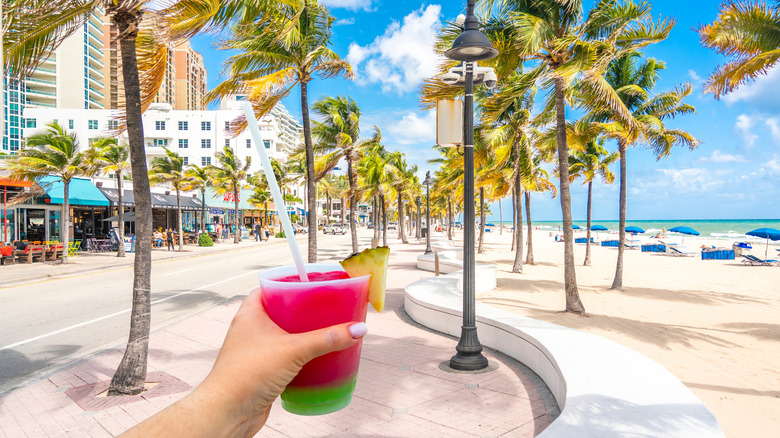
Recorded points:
(339, 188)
(52, 152)
(290, 49)
(171, 170)
(632, 79)
(749, 33)
(589, 163)
(536, 180)
(198, 178)
(404, 176)
(260, 192)
(110, 156)
(229, 173)
(338, 136)
(376, 171)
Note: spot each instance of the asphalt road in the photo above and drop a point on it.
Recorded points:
(50, 324)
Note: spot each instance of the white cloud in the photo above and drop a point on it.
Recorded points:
(344, 21)
(353, 5)
(774, 127)
(761, 94)
(401, 58)
(771, 167)
(414, 128)
(689, 180)
(744, 126)
(695, 77)
(720, 157)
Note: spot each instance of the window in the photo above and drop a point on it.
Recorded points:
(185, 161)
(183, 143)
(205, 143)
(113, 124)
(159, 125)
(205, 126)
(70, 124)
(267, 144)
(248, 143)
(92, 124)
(227, 126)
(227, 143)
(183, 126)
(205, 161)
(160, 142)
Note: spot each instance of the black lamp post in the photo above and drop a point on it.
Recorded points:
(428, 181)
(470, 46)
(419, 219)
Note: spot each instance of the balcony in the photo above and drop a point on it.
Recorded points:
(91, 36)
(34, 92)
(93, 58)
(98, 73)
(96, 92)
(35, 80)
(95, 49)
(94, 104)
(33, 104)
(95, 27)
(45, 71)
(49, 60)
(94, 82)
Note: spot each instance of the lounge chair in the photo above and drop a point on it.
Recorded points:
(680, 251)
(755, 261)
(667, 243)
(633, 244)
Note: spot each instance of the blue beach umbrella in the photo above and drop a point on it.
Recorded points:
(684, 230)
(576, 227)
(765, 233)
(633, 229)
(599, 228)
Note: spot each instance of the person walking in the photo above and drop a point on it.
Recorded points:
(267, 232)
(258, 232)
(169, 238)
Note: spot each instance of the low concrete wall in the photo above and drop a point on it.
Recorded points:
(603, 388)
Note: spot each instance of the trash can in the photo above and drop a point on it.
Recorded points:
(423, 232)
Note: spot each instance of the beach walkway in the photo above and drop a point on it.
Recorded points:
(401, 391)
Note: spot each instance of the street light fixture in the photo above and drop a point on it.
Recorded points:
(470, 46)
(419, 219)
(428, 181)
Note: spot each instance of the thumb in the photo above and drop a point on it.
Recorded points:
(327, 340)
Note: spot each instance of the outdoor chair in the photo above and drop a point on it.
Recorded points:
(680, 251)
(32, 253)
(755, 261)
(54, 251)
(7, 259)
(74, 248)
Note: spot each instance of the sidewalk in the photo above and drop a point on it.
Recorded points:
(401, 391)
(24, 273)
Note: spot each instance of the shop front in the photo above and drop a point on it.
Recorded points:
(12, 190)
(223, 216)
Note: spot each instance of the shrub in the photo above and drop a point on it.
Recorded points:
(205, 240)
(280, 234)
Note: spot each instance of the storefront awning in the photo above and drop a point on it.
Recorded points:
(80, 191)
(113, 196)
(159, 200)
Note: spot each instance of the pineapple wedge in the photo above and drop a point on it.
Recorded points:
(374, 262)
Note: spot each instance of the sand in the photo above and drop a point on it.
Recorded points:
(713, 323)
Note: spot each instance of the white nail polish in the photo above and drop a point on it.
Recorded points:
(358, 330)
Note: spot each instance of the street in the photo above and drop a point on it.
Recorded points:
(46, 325)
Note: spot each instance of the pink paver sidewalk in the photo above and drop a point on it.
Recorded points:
(401, 391)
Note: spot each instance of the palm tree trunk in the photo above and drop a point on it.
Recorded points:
(131, 373)
(517, 267)
(236, 230)
(65, 227)
(481, 247)
(343, 207)
(310, 182)
(375, 218)
(514, 219)
(449, 218)
(179, 225)
(529, 257)
(573, 303)
(617, 283)
(401, 234)
(203, 210)
(351, 177)
(384, 220)
(120, 252)
(587, 232)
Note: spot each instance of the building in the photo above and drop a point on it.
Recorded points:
(71, 77)
(190, 77)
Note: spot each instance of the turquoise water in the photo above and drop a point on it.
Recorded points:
(712, 229)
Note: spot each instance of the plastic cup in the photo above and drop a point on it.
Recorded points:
(326, 383)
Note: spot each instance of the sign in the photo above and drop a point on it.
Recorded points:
(449, 122)
(228, 197)
(213, 210)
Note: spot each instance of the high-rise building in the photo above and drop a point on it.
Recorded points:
(190, 78)
(69, 77)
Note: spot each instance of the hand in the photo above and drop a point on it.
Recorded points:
(256, 362)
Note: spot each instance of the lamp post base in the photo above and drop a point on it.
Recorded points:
(469, 352)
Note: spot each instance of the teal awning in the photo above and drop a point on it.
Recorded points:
(81, 191)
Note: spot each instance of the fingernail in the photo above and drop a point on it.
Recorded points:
(358, 330)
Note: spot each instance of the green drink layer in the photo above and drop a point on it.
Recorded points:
(318, 400)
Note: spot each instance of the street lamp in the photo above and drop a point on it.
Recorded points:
(470, 46)
(419, 219)
(428, 181)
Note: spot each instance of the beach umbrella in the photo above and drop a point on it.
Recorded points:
(576, 227)
(684, 230)
(633, 229)
(598, 228)
(490, 225)
(765, 233)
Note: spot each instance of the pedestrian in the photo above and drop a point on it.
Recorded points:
(267, 232)
(258, 232)
(169, 238)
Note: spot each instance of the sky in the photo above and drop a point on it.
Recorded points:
(733, 174)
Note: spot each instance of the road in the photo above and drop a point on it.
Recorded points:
(46, 325)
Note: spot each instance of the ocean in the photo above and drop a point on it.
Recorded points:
(726, 229)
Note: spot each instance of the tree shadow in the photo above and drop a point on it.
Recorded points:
(188, 301)
(699, 296)
(760, 330)
(733, 390)
(17, 365)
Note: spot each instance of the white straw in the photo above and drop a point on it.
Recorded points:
(254, 129)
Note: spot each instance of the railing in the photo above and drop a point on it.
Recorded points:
(45, 70)
(44, 93)
(96, 92)
(29, 102)
(95, 59)
(41, 81)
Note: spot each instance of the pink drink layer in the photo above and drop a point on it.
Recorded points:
(315, 276)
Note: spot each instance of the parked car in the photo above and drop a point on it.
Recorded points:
(334, 229)
(392, 226)
(299, 229)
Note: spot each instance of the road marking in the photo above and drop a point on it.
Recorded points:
(75, 326)
(177, 272)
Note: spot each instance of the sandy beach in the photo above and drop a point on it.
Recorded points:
(713, 323)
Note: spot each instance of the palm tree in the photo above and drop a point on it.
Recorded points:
(404, 176)
(228, 175)
(747, 32)
(338, 136)
(109, 156)
(339, 188)
(376, 171)
(536, 180)
(52, 152)
(260, 194)
(592, 162)
(171, 170)
(289, 49)
(198, 178)
(632, 79)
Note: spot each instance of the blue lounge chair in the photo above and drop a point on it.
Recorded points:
(680, 251)
(755, 261)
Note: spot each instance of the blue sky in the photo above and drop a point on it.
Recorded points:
(733, 174)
